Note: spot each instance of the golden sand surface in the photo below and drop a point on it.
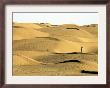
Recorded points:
(54, 50)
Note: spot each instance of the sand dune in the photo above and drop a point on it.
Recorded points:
(89, 66)
(29, 38)
(69, 34)
(20, 59)
(34, 43)
(26, 25)
(31, 54)
(65, 46)
(27, 31)
(22, 33)
(93, 29)
(62, 46)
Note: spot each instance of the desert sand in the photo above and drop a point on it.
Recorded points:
(44, 49)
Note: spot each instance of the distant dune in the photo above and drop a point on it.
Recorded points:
(26, 25)
(93, 29)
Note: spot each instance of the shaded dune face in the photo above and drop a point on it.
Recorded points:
(36, 44)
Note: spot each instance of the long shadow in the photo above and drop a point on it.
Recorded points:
(89, 72)
(66, 61)
(17, 27)
(75, 53)
(51, 38)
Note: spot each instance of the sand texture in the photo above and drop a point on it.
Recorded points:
(55, 50)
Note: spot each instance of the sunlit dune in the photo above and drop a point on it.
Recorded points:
(70, 34)
(27, 33)
(65, 46)
(93, 29)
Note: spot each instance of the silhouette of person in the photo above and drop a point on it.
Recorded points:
(81, 49)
